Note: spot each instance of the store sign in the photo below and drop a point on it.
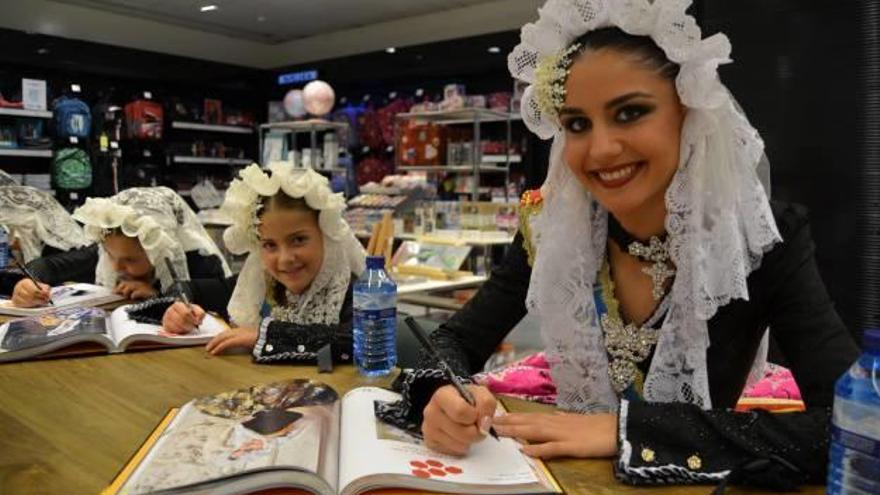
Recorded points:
(297, 77)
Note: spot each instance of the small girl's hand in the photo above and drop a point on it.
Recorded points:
(236, 337)
(179, 319)
(27, 294)
(135, 289)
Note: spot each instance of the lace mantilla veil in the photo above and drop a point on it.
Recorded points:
(36, 219)
(160, 219)
(719, 220)
(343, 253)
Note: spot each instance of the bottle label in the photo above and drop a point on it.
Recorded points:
(376, 314)
(855, 441)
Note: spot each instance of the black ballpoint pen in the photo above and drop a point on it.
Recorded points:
(180, 288)
(422, 337)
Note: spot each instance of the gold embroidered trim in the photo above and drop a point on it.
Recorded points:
(529, 205)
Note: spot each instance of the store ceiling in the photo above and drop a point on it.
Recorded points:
(265, 34)
(273, 21)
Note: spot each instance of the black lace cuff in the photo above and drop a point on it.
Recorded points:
(416, 388)
(680, 443)
(150, 311)
(284, 341)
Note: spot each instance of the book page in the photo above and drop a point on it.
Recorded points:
(54, 330)
(291, 425)
(125, 330)
(371, 447)
(65, 296)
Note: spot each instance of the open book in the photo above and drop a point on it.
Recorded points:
(298, 436)
(65, 296)
(76, 330)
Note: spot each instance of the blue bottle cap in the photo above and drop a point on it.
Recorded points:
(375, 262)
(871, 339)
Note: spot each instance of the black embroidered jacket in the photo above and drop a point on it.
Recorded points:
(280, 340)
(679, 443)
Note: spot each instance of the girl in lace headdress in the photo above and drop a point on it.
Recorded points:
(38, 226)
(136, 231)
(293, 295)
(654, 263)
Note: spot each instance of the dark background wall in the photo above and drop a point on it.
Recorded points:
(798, 73)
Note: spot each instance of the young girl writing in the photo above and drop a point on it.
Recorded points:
(137, 230)
(293, 295)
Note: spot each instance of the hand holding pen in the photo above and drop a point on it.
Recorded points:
(434, 354)
(181, 290)
(43, 291)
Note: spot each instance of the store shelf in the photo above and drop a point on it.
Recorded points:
(197, 126)
(501, 158)
(30, 153)
(467, 237)
(444, 169)
(211, 161)
(305, 125)
(462, 116)
(337, 170)
(19, 112)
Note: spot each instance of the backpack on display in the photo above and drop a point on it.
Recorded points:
(71, 169)
(143, 119)
(72, 118)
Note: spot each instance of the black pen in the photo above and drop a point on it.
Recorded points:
(31, 276)
(435, 355)
(180, 289)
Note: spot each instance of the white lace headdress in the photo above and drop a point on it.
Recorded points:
(343, 253)
(719, 220)
(160, 219)
(36, 219)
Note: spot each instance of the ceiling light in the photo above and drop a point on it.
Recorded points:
(494, 49)
(390, 49)
(208, 8)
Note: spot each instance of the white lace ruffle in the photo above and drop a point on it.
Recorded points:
(36, 219)
(162, 222)
(718, 215)
(562, 21)
(343, 253)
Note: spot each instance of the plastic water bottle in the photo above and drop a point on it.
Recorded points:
(375, 320)
(854, 459)
(4, 248)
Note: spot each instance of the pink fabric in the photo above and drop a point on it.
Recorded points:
(528, 378)
(777, 383)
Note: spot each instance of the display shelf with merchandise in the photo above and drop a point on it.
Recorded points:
(321, 157)
(422, 152)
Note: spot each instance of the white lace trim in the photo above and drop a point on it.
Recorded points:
(36, 219)
(160, 219)
(343, 253)
(719, 219)
(262, 334)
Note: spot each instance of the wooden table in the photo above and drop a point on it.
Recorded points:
(68, 425)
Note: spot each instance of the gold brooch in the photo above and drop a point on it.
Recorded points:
(647, 454)
(694, 462)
